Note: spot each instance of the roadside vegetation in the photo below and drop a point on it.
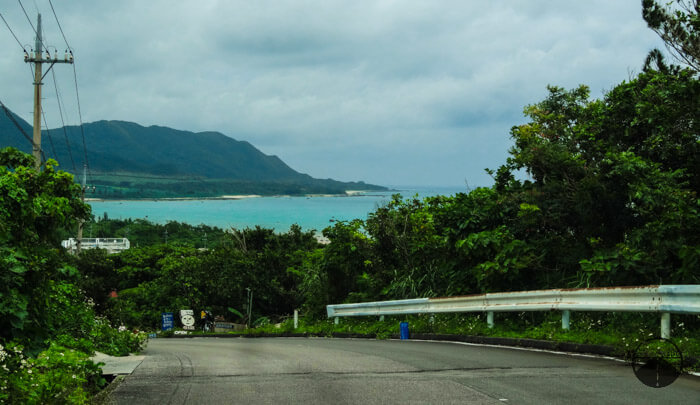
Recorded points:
(595, 192)
(48, 325)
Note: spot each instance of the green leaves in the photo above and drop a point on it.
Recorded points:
(37, 299)
(236, 312)
(678, 26)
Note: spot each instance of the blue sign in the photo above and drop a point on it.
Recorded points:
(167, 321)
(152, 336)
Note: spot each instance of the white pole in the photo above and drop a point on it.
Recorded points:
(296, 319)
(666, 325)
(489, 319)
(565, 317)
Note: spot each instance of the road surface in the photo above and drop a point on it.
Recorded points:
(358, 371)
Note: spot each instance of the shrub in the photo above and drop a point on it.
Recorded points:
(116, 342)
(57, 375)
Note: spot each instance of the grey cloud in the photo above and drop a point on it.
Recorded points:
(393, 92)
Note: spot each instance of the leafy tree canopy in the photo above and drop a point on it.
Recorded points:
(37, 299)
(679, 27)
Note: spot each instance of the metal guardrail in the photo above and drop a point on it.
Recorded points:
(663, 299)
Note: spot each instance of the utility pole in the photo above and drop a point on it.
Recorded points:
(36, 57)
(249, 322)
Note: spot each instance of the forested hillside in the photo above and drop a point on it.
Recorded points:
(127, 160)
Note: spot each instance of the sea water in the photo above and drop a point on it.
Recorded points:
(278, 213)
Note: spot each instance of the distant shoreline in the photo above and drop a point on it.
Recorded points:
(348, 193)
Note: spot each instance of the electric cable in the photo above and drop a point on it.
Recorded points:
(59, 25)
(70, 153)
(60, 112)
(48, 135)
(77, 94)
(26, 15)
(32, 25)
(80, 117)
(14, 121)
(12, 32)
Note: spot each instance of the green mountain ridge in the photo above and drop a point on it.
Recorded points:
(127, 160)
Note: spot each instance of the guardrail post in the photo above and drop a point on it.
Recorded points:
(337, 320)
(665, 325)
(381, 318)
(565, 316)
(489, 319)
(296, 318)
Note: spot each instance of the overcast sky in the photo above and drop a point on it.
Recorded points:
(389, 92)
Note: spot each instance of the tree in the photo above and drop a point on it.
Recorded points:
(679, 28)
(615, 181)
(37, 296)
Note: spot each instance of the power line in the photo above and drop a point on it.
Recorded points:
(80, 116)
(60, 112)
(26, 15)
(77, 94)
(48, 134)
(59, 24)
(14, 121)
(7, 111)
(70, 153)
(32, 25)
(12, 32)
(19, 127)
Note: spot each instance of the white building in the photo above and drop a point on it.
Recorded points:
(111, 245)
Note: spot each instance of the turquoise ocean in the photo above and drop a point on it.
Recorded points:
(278, 213)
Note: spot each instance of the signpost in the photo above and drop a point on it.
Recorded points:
(187, 319)
(167, 321)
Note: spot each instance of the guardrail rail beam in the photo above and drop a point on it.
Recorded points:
(663, 299)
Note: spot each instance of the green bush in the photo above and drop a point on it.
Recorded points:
(116, 342)
(82, 344)
(57, 375)
(106, 339)
(167, 333)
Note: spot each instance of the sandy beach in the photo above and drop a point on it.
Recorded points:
(348, 193)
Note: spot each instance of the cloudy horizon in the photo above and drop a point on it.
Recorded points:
(388, 92)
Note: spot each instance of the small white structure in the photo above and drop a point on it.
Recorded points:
(111, 245)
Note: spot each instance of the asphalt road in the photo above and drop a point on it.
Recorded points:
(358, 371)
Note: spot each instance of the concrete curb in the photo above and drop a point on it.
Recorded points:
(117, 365)
(582, 348)
(102, 397)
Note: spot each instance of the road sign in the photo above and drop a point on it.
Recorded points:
(187, 318)
(167, 321)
